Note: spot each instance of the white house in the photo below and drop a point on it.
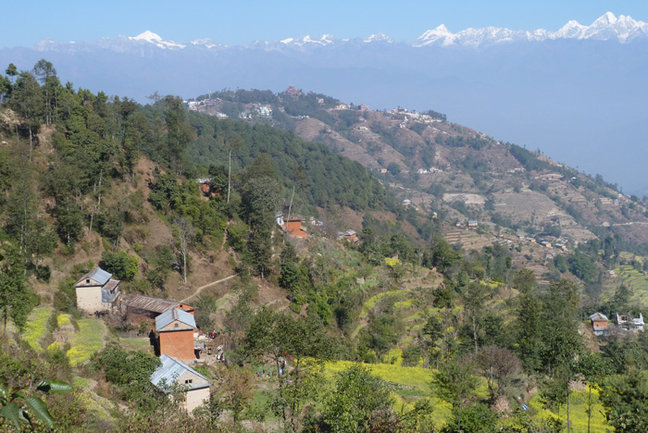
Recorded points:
(97, 291)
(630, 323)
(173, 373)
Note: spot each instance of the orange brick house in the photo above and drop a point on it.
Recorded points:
(293, 226)
(175, 329)
(600, 324)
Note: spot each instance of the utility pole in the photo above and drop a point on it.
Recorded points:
(292, 196)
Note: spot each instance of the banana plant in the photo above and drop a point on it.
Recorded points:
(18, 407)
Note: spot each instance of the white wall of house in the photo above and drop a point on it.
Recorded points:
(196, 398)
(89, 299)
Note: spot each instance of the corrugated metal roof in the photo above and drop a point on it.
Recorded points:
(100, 276)
(296, 217)
(172, 315)
(598, 317)
(170, 370)
(147, 303)
(111, 284)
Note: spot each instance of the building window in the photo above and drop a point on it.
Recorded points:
(188, 381)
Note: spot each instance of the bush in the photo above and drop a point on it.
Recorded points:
(65, 296)
(123, 265)
(237, 234)
(130, 371)
(476, 418)
(411, 356)
(43, 273)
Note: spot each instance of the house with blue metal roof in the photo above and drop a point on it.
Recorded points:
(175, 319)
(176, 375)
(175, 333)
(97, 291)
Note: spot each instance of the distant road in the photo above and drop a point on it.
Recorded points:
(199, 289)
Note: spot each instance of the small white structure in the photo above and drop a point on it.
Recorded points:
(97, 291)
(175, 375)
(630, 323)
(265, 111)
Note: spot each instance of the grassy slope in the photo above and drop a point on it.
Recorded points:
(411, 383)
(84, 342)
(36, 327)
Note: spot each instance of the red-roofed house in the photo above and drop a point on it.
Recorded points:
(293, 226)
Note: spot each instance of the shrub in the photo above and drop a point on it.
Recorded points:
(123, 265)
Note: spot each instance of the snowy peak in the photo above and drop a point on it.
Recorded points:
(572, 30)
(606, 19)
(147, 36)
(307, 40)
(155, 39)
(607, 27)
(378, 37)
(206, 43)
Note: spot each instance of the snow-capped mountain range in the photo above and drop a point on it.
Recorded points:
(607, 27)
(623, 29)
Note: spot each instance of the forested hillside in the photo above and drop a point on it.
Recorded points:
(443, 166)
(363, 295)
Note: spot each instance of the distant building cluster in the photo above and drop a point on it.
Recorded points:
(173, 336)
(602, 326)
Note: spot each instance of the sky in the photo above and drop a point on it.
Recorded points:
(26, 22)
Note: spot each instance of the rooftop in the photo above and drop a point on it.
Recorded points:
(598, 317)
(296, 217)
(147, 303)
(171, 369)
(172, 315)
(98, 275)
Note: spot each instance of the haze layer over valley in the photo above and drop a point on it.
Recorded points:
(576, 93)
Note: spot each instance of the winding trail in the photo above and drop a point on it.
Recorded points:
(200, 289)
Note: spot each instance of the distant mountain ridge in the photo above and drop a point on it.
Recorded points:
(578, 93)
(440, 166)
(607, 27)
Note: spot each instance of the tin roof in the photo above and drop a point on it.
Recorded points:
(98, 275)
(598, 317)
(111, 284)
(295, 217)
(147, 303)
(173, 314)
(101, 276)
(171, 369)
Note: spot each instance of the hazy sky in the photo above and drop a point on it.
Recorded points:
(26, 22)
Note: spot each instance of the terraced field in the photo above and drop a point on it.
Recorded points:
(412, 383)
(36, 327)
(85, 337)
(88, 340)
(636, 280)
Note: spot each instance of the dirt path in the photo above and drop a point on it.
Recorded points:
(200, 289)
